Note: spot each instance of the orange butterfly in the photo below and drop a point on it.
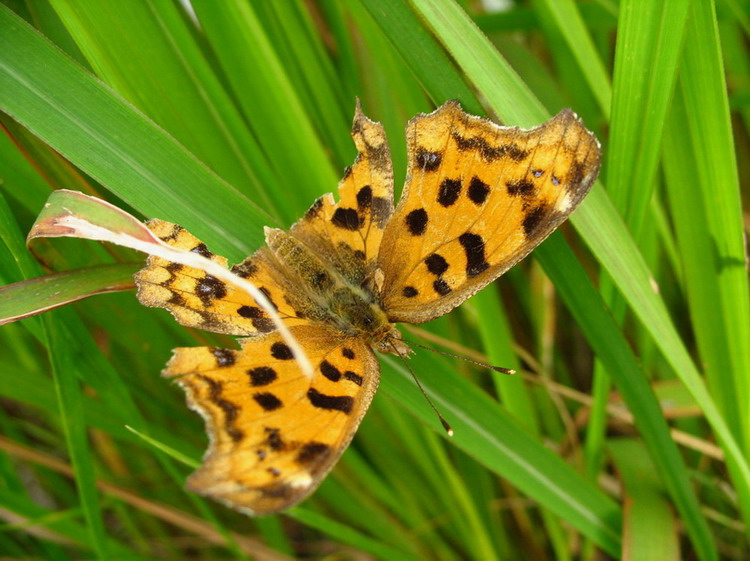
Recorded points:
(478, 198)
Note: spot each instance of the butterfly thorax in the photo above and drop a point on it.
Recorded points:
(346, 299)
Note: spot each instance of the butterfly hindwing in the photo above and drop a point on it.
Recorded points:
(275, 433)
(197, 299)
(478, 198)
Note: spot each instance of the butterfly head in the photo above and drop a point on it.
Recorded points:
(359, 314)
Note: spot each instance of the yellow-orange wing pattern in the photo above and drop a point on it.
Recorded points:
(347, 234)
(274, 432)
(197, 299)
(478, 198)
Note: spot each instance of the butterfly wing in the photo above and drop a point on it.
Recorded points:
(274, 432)
(347, 234)
(197, 299)
(478, 198)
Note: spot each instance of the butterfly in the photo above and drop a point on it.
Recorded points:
(478, 198)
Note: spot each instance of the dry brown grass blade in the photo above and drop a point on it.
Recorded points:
(182, 520)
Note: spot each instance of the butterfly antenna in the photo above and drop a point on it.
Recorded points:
(443, 422)
(471, 360)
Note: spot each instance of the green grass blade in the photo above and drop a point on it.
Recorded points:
(144, 49)
(509, 98)
(570, 25)
(269, 101)
(485, 431)
(140, 164)
(710, 132)
(74, 427)
(438, 75)
(649, 44)
(23, 299)
(651, 529)
(613, 350)
(644, 84)
(346, 534)
(501, 86)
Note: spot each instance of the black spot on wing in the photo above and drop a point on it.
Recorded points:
(267, 401)
(267, 294)
(176, 299)
(250, 312)
(224, 357)
(364, 197)
(311, 452)
(330, 371)
(214, 387)
(173, 268)
(274, 440)
(478, 191)
(281, 351)
(575, 176)
(261, 376)
(409, 292)
(343, 403)
(209, 289)
(449, 191)
(426, 160)
(346, 218)
(201, 249)
(264, 325)
(534, 218)
(230, 410)
(380, 211)
(441, 287)
(513, 152)
(245, 269)
(348, 353)
(176, 229)
(314, 209)
(353, 377)
(520, 187)
(416, 221)
(473, 245)
(436, 264)
(281, 491)
(488, 152)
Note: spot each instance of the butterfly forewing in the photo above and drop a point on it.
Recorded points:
(275, 433)
(348, 233)
(478, 198)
